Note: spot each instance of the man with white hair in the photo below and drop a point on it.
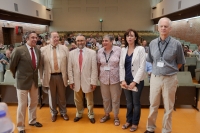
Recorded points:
(166, 56)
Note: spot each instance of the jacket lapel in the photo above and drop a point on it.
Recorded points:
(76, 57)
(38, 58)
(125, 53)
(28, 56)
(48, 52)
(135, 54)
(61, 52)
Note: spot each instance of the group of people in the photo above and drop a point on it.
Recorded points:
(5, 57)
(116, 68)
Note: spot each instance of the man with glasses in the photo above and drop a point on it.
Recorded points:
(82, 73)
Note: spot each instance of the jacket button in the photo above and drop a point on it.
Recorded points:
(132, 65)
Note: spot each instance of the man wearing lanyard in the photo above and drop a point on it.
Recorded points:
(166, 56)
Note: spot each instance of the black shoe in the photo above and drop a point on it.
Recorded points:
(37, 124)
(148, 131)
(92, 120)
(77, 119)
(22, 131)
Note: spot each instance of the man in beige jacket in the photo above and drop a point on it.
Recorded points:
(82, 73)
(53, 75)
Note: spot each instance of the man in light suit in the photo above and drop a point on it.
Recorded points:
(53, 75)
(24, 63)
(82, 73)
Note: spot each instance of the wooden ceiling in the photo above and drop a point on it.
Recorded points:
(187, 13)
(5, 15)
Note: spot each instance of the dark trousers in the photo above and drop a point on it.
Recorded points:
(133, 104)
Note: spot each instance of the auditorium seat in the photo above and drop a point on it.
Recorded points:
(197, 71)
(193, 47)
(7, 90)
(182, 41)
(190, 61)
(1, 72)
(187, 43)
(8, 78)
(186, 90)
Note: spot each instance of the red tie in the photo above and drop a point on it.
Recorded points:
(33, 58)
(80, 59)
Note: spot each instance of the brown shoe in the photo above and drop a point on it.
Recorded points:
(54, 118)
(65, 117)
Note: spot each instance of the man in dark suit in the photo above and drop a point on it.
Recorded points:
(24, 63)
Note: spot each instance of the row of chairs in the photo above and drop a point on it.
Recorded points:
(191, 45)
(186, 93)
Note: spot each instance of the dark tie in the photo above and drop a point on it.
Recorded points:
(33, 59)
(80, 58)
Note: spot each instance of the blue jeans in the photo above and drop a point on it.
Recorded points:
(133, 104)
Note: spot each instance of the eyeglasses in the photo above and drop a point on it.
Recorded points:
(80, 40)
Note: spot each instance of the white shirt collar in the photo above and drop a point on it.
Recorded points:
(80, 49)
(29, 47)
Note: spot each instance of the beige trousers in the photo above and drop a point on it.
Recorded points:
(25, 97)
(111, 97)
(79, 98)
(164, 86)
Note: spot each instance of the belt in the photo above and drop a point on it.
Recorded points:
(56, 73)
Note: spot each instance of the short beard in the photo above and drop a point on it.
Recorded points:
(80, 46)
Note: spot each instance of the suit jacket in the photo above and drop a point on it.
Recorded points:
(45, 67)
(22, 68)
(88, 74)
(138, 64)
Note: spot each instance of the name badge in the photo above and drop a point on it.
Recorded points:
(160, 64)
(107, 68)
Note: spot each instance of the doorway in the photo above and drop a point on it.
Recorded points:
(8, 36)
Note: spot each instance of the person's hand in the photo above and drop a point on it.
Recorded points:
(93, 87)
(124, 84)
(71, 86)
(5, 62)
(132, 85)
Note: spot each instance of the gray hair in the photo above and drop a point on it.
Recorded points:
(110, 37)
(51, 33)
(170, 22)
(27, 34)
